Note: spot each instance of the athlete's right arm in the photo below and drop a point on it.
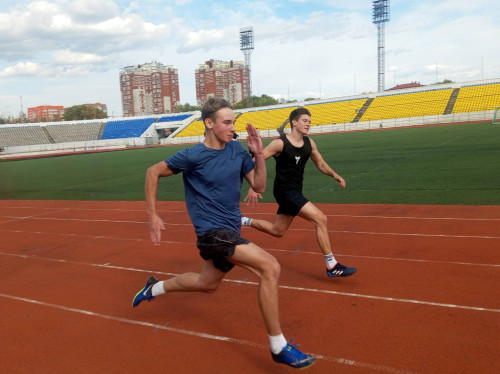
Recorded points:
(155, 223)
(274, 148)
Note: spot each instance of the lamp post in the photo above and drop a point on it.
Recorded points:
(247, 46)
(380, 17)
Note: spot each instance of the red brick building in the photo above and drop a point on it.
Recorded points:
(151, 88)
(406, 85)
(99, 106)
(227, 80)
(45, 113)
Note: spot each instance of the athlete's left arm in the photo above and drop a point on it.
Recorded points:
(323, 166)
(257, 177)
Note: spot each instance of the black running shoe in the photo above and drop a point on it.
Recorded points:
(340, 270)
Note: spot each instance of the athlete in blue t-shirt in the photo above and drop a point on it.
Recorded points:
(213, 173)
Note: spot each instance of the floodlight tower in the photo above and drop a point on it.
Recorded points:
(380, 17)
(247, 46)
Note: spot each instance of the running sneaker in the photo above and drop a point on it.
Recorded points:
(340, 270)
(145, 293)
(291, 356)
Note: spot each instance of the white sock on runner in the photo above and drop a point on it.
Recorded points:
(278, 342)
(330, 261)
(158, 289)
(246, 221)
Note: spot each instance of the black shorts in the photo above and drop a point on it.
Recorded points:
(290, 202)
(218, 245)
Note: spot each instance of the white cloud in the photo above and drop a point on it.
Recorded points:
(93, 9)
(207, 39)
(22, 69)
(67, 57)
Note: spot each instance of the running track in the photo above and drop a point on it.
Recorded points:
(426, 298)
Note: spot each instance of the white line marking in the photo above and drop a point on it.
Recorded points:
(201, 334)
(240, 282)
(415, 234)
(56, 210)
(267, 249)
(308, 230)
(416, 218)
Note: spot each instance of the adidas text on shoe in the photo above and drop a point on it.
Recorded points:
(291, 356)
(145, 293)
(340, 270)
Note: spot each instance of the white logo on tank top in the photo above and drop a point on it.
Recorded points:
(297, 159)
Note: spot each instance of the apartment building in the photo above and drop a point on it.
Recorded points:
(227, 80)
(45, 113)
(151, 88)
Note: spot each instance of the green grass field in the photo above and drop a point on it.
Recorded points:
(454, 164)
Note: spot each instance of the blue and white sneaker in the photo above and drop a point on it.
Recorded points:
(291, 356)
(145, 293)
(340, 270)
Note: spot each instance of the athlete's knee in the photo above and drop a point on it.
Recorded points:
(278, 233)
(208, 287)
(272, 269)
(279, 230)
(320, 219)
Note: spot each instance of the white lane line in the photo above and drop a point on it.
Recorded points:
(416, 218)
(201, 334)
(385, 217)
(33, 216)
(267, 249)
(307, 230)
(386, 258)
(56, 210)
(294, 288)
(415, 234)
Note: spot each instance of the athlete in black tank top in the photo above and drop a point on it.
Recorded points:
(290, 166)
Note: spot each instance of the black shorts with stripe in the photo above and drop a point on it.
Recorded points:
(219, 244)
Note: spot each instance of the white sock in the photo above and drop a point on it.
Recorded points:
(158, 289)
(278, 342)
(330, 261)
(246, 221)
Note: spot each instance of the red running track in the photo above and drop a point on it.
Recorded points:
(425, 298)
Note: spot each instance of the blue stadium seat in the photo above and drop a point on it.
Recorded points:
(130, 128)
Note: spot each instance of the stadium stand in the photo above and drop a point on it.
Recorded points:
(434, 104)
(332, 112)
(264, 119)
(22, 135)
(195, 128)
(130, 128)
(74, 132)
(174, 118)
(410, 104)
(479, 97)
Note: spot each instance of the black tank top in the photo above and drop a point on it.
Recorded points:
(290, 165)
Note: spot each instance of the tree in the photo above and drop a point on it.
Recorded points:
(186, 108)
(81, 112)
(445, 81)
(264, 100)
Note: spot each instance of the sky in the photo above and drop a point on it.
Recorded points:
(70, 52)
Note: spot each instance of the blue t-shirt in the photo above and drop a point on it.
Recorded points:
(212, 184)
